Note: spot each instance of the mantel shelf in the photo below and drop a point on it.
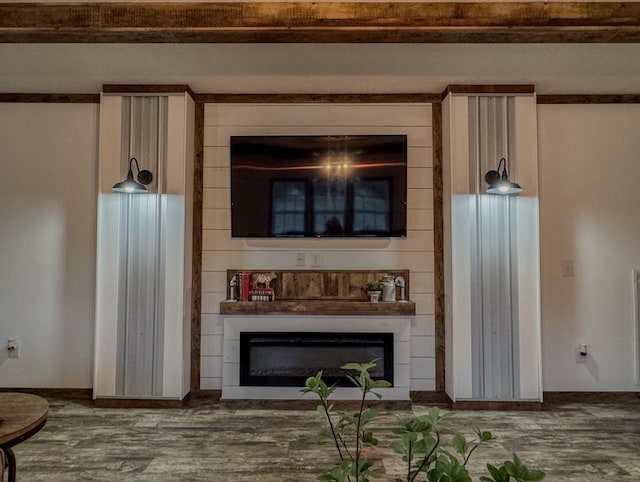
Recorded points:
(318, 307)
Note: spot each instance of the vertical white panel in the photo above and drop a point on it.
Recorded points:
(107, 253)
(461, 210)
(142, 267)
(494, 253)
(528, 227)
(156, 300)
(174, 202)
(513, 137)
(190, 114)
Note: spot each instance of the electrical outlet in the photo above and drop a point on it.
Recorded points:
(582, 354)
(567, 268)
(301, 259)
(13, 348)
(316, 260)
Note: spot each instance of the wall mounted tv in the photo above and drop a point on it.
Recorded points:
(319, 186)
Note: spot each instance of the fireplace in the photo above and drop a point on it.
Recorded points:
(397, 330)
(287, 359)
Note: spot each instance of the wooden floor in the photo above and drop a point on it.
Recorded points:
(206, 442)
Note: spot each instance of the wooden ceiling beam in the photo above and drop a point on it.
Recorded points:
(309, 22)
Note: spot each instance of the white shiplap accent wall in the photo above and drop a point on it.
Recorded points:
(220, 252)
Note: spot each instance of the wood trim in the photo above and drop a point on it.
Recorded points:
(51, 98)
(317, 98)
(61, 393)
(421, 397)
(204, 396)
(438, 246)
(148, 89)
(326, 22)
(559, 398)
(317, 307)
(498, 89)
(589, 99)
(196, 259)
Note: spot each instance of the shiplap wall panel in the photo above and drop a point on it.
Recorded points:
(219, 198)
(420, 261)
(419, 219)
(417, 136)
(419, 198)
(221, 252)
(423, 325)
(218, 156)
(216, 218)
(220, 239)
(331, 115)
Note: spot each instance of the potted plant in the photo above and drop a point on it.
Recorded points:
(374, 288)
(425, 455)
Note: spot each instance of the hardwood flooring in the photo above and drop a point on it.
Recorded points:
(207, 442)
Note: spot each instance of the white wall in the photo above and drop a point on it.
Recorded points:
(590, 214)
(48, 159)
(220, 252)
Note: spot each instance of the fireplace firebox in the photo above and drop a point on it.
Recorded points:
(287, 359)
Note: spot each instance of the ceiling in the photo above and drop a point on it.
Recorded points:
(320, 68)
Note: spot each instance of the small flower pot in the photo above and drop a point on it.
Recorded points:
(374, 296)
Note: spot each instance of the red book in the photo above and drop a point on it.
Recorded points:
(246, 282)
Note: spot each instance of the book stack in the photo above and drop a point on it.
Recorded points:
(265, 294)
(246, 293)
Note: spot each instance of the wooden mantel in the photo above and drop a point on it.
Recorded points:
(323, 292)
(317, 307)
(321, 22)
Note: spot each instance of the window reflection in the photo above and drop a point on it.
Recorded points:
(288, 208)
(371, 201)
(359, 206)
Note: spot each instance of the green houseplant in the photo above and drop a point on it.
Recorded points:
(374, 288)
(419, 442)
(374, 285)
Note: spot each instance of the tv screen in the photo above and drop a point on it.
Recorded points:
(319, 186)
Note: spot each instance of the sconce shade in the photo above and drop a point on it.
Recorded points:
(499, 182)
(130, 185)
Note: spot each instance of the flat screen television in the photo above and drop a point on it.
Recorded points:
(318, 186)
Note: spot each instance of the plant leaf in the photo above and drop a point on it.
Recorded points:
(460, 444)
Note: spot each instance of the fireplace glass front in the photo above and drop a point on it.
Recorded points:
(288, 359)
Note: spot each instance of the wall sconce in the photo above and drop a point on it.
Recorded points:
(499, 182)
(130, 185)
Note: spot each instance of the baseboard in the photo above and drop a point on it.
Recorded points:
(107, 402)
(560, 398)
(502, 406)
(206, 395)
(312, 404)
(61, 393)
(507, 405)
(429, 398)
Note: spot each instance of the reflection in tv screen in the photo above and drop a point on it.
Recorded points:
(318, 186)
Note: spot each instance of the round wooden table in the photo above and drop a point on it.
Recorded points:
(23, 415)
